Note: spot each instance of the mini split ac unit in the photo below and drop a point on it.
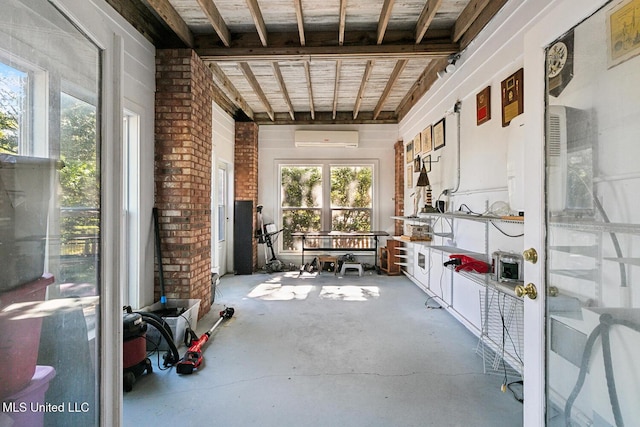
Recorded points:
(318, 138)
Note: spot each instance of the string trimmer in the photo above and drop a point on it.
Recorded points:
(193, 357)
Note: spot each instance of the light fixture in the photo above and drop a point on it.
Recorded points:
(451, 66)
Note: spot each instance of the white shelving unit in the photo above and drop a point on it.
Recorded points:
(493, 312)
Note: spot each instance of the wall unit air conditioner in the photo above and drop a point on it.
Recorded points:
(570, 161)
(321, 138)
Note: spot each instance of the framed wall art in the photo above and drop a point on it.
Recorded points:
(483, 106)
(408, 152)
(623, 27)
(410, 176)
(427, 142)
(427, 163)
(512, 96)
(438, 135)
(417, 144)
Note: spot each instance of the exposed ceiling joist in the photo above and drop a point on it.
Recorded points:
(307, 71)
(283, 89)
(342, 21)
(300, 19)
(251, 78)
(363, 87)
(425, 18)
(173, 20)
(336, 88)
(214, 17)
(395, 74)
(385, 15)
(228, 87)
(469, 14)
(258, 20)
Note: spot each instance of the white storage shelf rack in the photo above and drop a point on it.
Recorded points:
(500, 329)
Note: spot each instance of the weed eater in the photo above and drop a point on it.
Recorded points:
(193, 357)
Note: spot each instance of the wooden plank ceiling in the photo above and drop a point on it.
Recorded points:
(316, 61)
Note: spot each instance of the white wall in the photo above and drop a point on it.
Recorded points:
(276, 143)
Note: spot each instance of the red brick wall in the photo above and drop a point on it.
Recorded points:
(246, 170)
(184, 92)
(399, 186)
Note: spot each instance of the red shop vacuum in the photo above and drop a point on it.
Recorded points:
(134, 349)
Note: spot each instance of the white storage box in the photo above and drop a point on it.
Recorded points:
(187, 316)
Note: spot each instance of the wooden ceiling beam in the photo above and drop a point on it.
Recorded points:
(343, 21)
(283, 89)
(256, 14)
(326, 117)
(467, 16)
(324, 38)
(300, 19)
(306, 53)
(483, 19)
(251, 78)
(420, 86)
(147, 23)
(171, 17)
(228, 87)
(307, 70)
(336, 87)
(211, 11)
(385, 15)
(393, 78)
(426, 16)
(363, 87)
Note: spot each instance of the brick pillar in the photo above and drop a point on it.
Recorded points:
(184, 93)
(399, 187)
(246, 170)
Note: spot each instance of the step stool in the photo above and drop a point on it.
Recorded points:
(322, 259)
(351, 266)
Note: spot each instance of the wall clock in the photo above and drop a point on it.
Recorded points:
(560, 64)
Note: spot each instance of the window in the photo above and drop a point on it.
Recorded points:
(310, 202)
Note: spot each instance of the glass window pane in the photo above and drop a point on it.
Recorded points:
(351, 186)
(301, 186)
(13, 85)
(351, 220)
(295, 220)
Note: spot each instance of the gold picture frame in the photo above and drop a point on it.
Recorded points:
(427, 140)
(410, 176)
(417, 144)
(622, 26)
(408, 152)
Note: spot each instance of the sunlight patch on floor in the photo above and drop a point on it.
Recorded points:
(277, 292)
(349, 293)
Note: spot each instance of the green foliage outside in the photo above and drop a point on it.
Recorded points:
(350, 189)
(8, 140)
(301, 187)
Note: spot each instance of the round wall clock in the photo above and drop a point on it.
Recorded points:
(560, 64)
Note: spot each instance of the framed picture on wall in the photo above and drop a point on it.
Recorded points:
(408, 152)
(623, 27)
(417, 144)
(427, 163)
(438, 135)
(427, 142)
(512, 96)
(410, 176)
(483, 106)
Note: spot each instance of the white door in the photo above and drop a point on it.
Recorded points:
(582, 332)
(222, 216)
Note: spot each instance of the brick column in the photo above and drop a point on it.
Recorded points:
(184, 92)
(246, 170)
(399, 187)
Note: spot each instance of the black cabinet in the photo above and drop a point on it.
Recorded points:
(243, 237)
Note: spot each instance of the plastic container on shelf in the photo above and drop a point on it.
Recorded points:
(20, 326)
(26, 185)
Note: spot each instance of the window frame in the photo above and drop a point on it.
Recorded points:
(326, 209)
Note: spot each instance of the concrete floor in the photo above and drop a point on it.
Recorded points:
(327, 351)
